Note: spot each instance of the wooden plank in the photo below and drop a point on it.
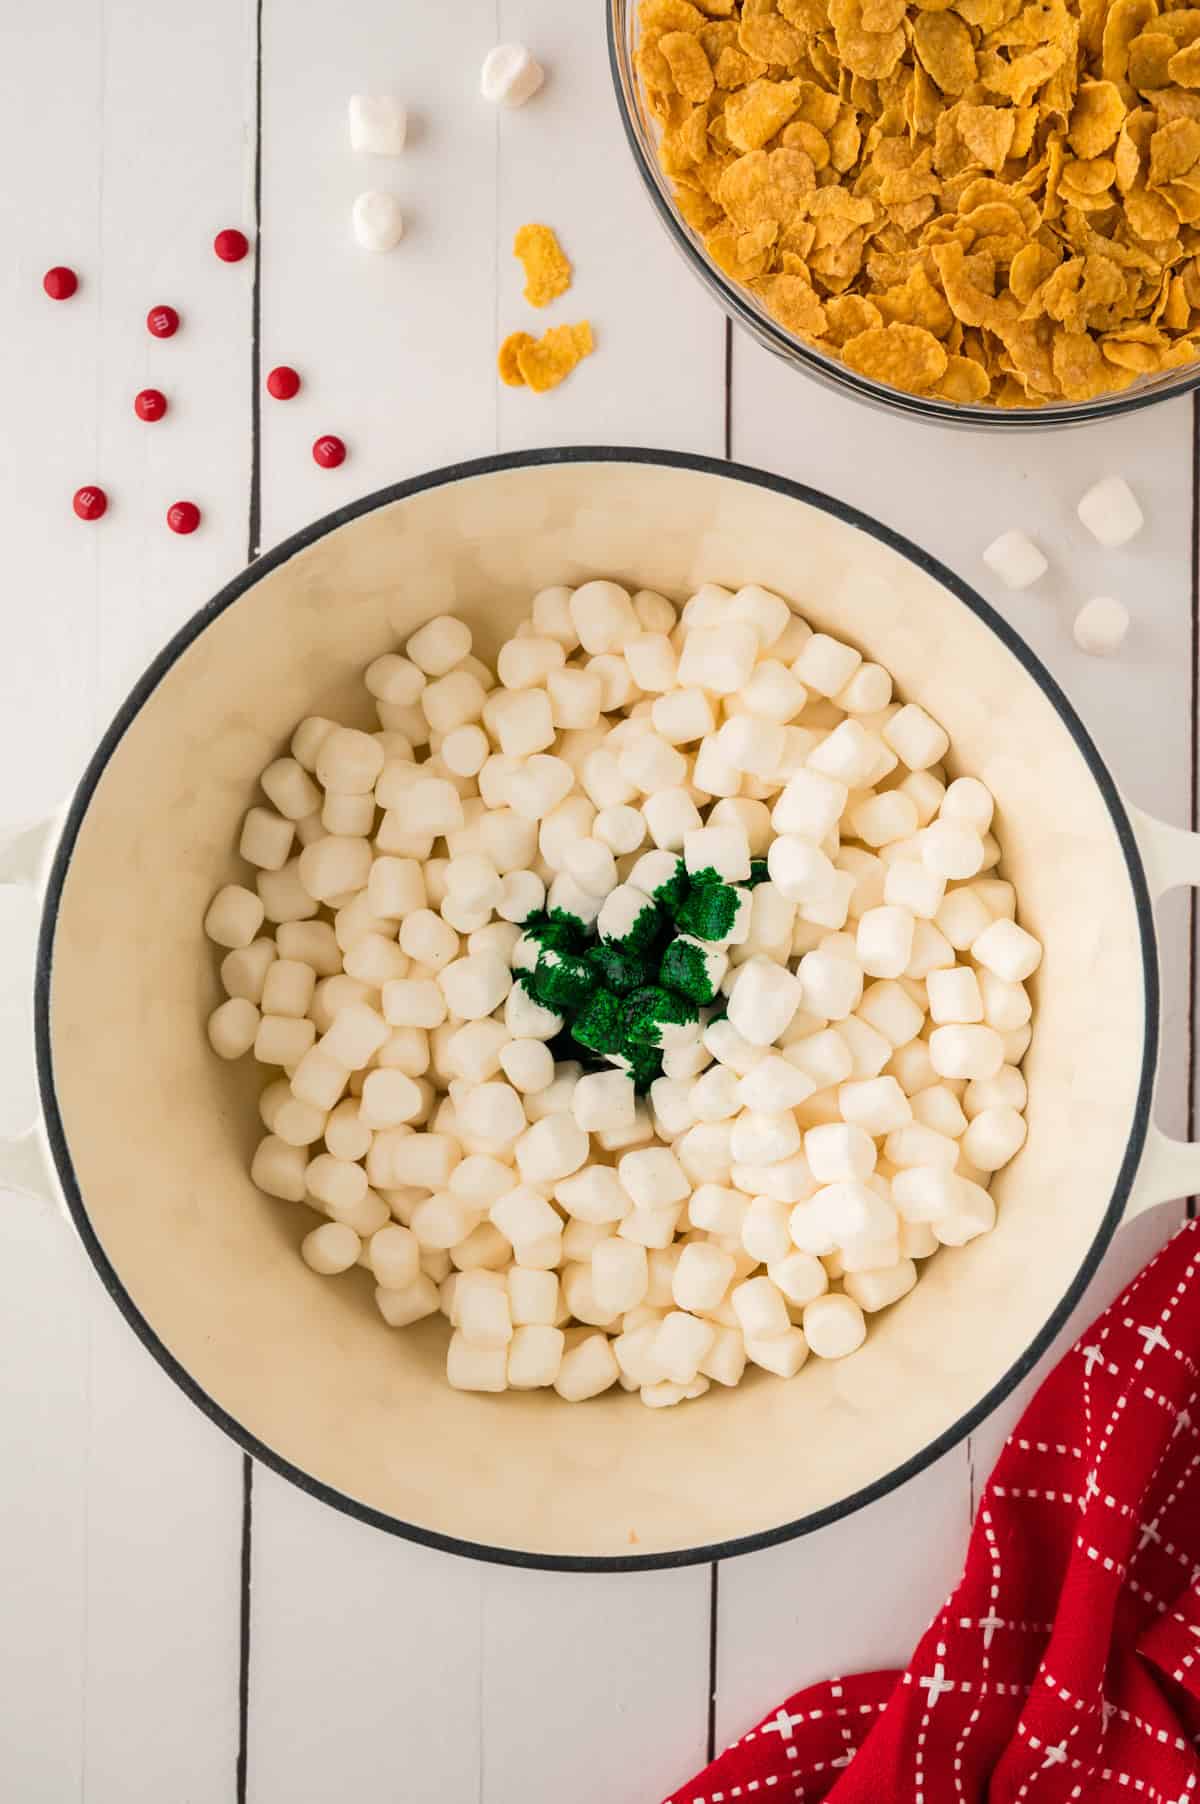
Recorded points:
(120, 1512)
(952, 492)
(408, 391)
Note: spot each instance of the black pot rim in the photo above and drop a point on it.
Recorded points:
(144, 688)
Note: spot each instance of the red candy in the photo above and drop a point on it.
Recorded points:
(231, 245)
(90, 502)
(184, 516)
(60, 282)
(283, 382)
(329, 451)
(162, 322)
(150, 404)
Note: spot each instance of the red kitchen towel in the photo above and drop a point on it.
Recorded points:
(1066, 1664)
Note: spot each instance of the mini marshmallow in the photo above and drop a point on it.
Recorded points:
(1110, 512)
(330, 1249)
(683, 716)
(489, 1112)
(834, 1326)
(725, 1360)
(510, 76)
(823, 1056)
(760, 1139)
(810, 806)
(523, 1216)
(653, 1178)
(951, 849)
(266, 839)
(892, 1012)
(884, 941)
(954, 995)
(471, 1368)
(783, 1355)
(1008, 951)
(670, 816)
(916, 738)
(592, 865)
(880, 820)
(831, 986)
(551, 1149)
(773, 1085)
(401, 1308)
(799, 869)
(938, 1108)
(650, 764)
(1015, 559)
(763, 999)
(825, 665)
(725, 850)
(912, 885)
(534, 1356)
(850, 754)
(602, 615)
(993, 1137)
(233, 1028)
(1006, 1090)
(528, 1065)
(377, 220)
(589, 1367)
(869, 1050)
(715, 1096)
(652, 662)
(1100, 626)
(764, 1232)
(919, 1145)
(603, 1099)
(972, 1213)
(761, 1309)
(378, 124)
(234, 916)
(876, 1105)
(718, 1210)
(878, 1289)
(800, 1276)
(474, 986)
(718, 658)
(839, 1153)
(966, 1051)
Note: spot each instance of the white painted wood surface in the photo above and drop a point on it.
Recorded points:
(377, 1670)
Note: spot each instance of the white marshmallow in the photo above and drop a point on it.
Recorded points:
(824, 1056)
(603, 1100)
(891, 1011)
(718, 658)
(972, 1213)
(763, 999)
(1015, 559)
(702, 1277)
(799, 869)
(810, 806)
(1101, 625)
(619, 1274)
(939, 1108)
(534, 1356)
(831, 986)
(951, 849)
(882, 819)
(783, 1355)
(234, 916)
(839, 1153)
(773, 1085)
(912, 885)
(850, 754)
(1008, 951)
(880, 1288)
(330, 1248)
(884, 941)
(993, 1137)
(764, 1232)
(490, 1113)
(916, 738)
(876, 1105)
(378, 125)
(715, 1096)
(1007, 1090)
(587, 1368)
(725, 1360)
(869, 1050)
(825, 665)
(1110, 512)
(761, 1309)
(377, 220)
(966, 1051)
(603, 616)
(759, 1139)
(551, 1149)
(470, 1368)
(653, 1178)
(670, 816)
(834, 1326)
(725, 850)
(919, 1145)
(510, 76)
(954, 995)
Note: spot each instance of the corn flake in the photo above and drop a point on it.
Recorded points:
(996, 202)
(542, 363)
(547, 270)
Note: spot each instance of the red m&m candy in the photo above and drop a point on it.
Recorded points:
(89, 502)
(283, 382)
(231, 245)
(60, 282)
(150, 404)
(184, 516)
(329, 451)
(162, 322)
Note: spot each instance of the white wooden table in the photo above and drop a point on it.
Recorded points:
(176, 1626)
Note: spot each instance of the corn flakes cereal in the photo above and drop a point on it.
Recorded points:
(547, 270)
(994, 202)
(542, 363)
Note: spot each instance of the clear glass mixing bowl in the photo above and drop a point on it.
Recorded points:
(642, 132)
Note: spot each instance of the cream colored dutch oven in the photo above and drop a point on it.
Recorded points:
(146, 1137)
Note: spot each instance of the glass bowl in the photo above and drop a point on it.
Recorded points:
(740, 304)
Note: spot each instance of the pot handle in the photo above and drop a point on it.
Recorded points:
(24, 1162)
(1169, 1169)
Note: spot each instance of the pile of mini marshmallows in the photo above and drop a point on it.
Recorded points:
(831, 1118)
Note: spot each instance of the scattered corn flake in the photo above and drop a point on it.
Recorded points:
(547, 270)
(506, 362)
(542, 363)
